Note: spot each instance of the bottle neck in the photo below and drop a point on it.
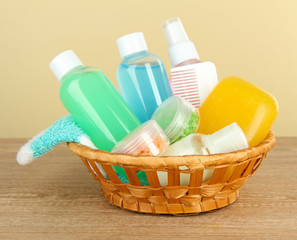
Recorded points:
(136, 54)
(182, 52)
(188, 62)
(75, 69)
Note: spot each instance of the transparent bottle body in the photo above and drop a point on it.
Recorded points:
(97, 106)
(143, 83)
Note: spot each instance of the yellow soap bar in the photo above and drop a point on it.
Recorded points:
(237, 100)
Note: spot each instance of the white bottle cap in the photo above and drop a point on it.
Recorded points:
(131, 43)
(229, 139)
(63, 63)
(180, 47)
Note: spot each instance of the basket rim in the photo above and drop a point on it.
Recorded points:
(193, 162)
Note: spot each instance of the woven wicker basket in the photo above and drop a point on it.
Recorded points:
(231, 170)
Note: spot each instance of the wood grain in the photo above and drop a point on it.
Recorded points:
(57, 198)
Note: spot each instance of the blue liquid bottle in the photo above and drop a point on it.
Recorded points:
(141, 76)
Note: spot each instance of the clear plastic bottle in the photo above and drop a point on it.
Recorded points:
(141, 76)
(190, 78)
(93, 101)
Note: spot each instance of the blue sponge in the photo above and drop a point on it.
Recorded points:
(63, 130)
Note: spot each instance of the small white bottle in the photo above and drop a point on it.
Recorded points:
(229, 139)
(190, 78)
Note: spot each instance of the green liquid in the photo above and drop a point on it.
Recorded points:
(97, 106)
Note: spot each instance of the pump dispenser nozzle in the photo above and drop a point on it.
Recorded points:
(181, 49)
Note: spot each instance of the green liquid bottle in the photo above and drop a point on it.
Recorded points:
(93, 101)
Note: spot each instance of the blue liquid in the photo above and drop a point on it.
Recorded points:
(144, 84)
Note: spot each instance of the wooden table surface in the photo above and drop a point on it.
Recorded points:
(56, 197)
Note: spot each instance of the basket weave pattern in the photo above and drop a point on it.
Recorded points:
(231, 171)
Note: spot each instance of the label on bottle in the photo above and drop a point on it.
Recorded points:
(194, 82)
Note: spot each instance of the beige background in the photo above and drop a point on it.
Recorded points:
(253, 39)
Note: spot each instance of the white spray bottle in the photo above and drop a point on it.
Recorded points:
(190, 78)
